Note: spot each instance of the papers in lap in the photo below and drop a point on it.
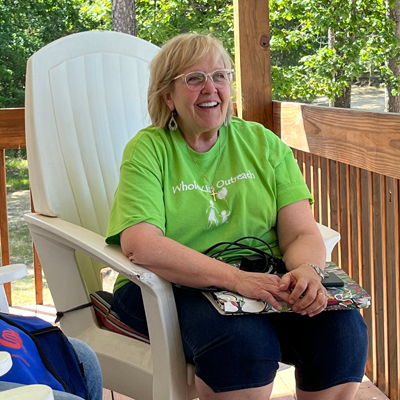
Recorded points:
(348, 297)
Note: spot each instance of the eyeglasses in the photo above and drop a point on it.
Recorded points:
(197, 80)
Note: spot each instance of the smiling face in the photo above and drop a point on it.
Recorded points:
(202, 111)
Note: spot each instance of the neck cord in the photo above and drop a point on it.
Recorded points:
(212, 192)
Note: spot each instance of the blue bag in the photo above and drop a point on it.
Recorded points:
(41, 353)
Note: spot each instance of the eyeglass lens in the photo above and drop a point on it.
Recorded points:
(198, 79)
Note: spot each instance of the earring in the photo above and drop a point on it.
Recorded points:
(172, 126)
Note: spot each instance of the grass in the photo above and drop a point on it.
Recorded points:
(17, 174)
(20, 241)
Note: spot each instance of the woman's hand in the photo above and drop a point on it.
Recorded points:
(261, 287)
(308, 295)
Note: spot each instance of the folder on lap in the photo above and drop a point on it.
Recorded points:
(347, 297)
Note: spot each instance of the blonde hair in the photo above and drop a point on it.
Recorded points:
(176, 55)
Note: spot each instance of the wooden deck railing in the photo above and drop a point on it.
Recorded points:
(351, 162)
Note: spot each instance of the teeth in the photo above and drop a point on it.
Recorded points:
(211, 104)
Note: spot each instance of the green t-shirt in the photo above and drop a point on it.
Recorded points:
(162, 182)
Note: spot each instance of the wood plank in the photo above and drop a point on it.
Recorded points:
(392, 203)
(284, 389)
(324, 191)
(316, 187)
(343, 135)
(5, 248)
(367, 269)
(355, 223)
(37, 269)
(344, 208)
(380, 283)
(252, 53)
(12, 128)
(308, 170)
(368, 390)
(334, 204)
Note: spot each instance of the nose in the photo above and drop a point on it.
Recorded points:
(209, 86)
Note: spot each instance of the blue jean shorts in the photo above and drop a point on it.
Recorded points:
(241, 352)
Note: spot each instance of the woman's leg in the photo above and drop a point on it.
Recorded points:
(328, 350)
(259, 393)
(346, 391)
(234, 357)
(91, 367)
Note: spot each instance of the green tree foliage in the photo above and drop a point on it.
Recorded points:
(158, 21)
(306, 65)
(26, 26)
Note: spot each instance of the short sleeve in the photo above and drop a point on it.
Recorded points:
(139, 197)
(291, 186)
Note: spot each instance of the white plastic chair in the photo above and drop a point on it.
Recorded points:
(9, 273)
(85, 98)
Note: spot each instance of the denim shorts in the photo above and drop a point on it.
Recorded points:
(241, 352)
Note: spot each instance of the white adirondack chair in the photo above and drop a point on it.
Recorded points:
(85, 98)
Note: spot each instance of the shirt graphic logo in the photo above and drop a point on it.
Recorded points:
(214, 216)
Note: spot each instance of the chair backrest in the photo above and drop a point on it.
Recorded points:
(86, 96)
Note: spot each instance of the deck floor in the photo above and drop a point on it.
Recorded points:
(284, 389)
(284, 386)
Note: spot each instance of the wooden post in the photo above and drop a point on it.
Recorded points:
(5, 248)
(12, 135)
(37, 269)
(253, 66)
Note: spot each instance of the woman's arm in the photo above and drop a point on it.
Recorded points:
(301, 244)
(145, 245)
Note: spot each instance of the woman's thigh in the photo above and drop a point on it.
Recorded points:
(229, 352)
(327, 350)
(128, 304)
(236, 352)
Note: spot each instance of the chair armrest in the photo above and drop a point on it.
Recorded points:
(89, 243)
(57, 240)
(330, 237)
(12, 272)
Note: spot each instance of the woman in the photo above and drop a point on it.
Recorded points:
(197, 177)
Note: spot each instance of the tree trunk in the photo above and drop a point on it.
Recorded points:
(392, 103)
(124, 16)
(344, 100)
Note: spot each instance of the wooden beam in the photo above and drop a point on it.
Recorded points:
(5, 247)
(12, 128)
(253, 68)
(362, 139)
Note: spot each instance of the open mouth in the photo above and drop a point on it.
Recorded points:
(210, 104)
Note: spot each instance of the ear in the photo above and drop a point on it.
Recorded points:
(168, 98)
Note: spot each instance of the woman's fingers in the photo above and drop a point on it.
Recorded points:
(318, 303)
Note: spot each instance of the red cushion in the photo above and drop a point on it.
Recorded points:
(102, 303)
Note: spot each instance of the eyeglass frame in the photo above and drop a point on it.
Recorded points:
(183, 76)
